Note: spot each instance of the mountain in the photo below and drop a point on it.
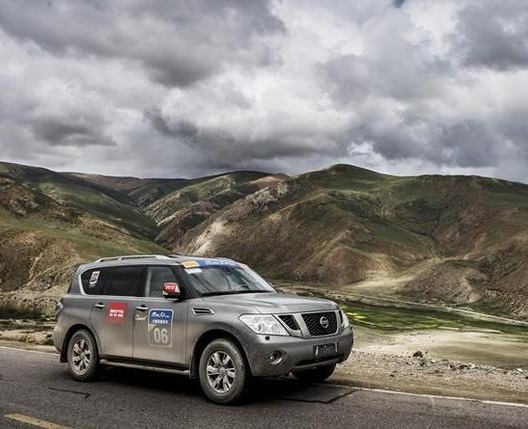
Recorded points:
(460, 240)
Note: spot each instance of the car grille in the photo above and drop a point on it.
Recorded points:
(316, 328)
(289, 320)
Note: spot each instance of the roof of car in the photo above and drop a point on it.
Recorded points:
(156, 260)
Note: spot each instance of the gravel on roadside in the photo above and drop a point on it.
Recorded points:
(421, 374)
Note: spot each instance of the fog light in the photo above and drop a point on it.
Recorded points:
(276, 357)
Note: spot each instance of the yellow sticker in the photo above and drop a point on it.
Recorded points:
(190, 264)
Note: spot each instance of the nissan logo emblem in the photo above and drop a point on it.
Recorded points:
(323, 321)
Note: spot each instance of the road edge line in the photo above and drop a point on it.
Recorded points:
(429, 395)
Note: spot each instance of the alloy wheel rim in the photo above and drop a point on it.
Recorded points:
(220, 371)
(81, 355)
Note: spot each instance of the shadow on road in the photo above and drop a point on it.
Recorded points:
(262, 390)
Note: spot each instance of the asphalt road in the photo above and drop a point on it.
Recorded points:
(36, 391)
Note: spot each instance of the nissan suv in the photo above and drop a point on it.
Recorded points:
(212, 319)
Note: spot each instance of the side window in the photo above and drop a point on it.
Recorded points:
(156, 277)
(94, 280)
(125, 281)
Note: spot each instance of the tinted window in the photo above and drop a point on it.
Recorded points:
(94, 280)
(156, 277)
(125, 281)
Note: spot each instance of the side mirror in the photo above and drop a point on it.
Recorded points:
(171, 290)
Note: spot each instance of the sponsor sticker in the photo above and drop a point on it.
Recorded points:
(209, 263)
(160, 327)
(190, 264)
(94, 278)
(217, 262)
(194, 271)
(116, 313)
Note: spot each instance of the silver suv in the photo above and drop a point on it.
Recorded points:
(214, 319)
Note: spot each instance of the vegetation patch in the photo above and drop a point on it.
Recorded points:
(10, 311)
(402, 319)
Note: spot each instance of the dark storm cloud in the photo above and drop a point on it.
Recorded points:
(58, 133)
(220, 148)
(181, 129)
(177, 42)
(493, 34)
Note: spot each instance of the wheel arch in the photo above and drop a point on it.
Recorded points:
(206, 338)
(72, 330)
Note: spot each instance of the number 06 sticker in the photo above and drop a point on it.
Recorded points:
(160, 327)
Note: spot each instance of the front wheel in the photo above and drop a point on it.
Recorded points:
(223, 372)
(83, 357)
(315, 375)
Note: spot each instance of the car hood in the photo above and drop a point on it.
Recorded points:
(273, 302)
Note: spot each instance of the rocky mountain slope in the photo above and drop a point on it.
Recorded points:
(454, 239)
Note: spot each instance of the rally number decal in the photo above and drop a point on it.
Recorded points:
(160, 327)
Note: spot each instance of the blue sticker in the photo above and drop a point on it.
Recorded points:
(160, 327)
(218, 262)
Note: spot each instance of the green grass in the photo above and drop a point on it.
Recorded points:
(87, 246)
(402, 319)
(101, 205)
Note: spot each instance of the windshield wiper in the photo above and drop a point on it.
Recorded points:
(233, 292)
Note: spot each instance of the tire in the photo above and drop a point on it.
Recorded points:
(315, 375)
(223, 372)
(82, 356)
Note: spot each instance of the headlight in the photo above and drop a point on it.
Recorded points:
(345, 323)
(263, 324)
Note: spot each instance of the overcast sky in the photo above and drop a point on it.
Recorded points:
(191, 87)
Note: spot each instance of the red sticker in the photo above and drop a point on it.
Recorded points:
(116, 312)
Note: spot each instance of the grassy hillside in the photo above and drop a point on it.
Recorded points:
(450, 239)
(442, 239)
(69, 191)
(50, 223)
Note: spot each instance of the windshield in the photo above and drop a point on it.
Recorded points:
(225, 279)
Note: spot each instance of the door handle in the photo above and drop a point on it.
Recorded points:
(141, 308)
(99, 306)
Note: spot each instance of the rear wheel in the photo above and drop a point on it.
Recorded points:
(223, 372)
(315, 375)
(82, 356)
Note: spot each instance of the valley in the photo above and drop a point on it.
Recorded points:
(457, 241)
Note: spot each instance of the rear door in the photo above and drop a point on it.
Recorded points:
(160, 323)
(113, 310)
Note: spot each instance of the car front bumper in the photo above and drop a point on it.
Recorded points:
(296, 353)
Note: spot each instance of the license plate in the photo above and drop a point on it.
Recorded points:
(324, 350)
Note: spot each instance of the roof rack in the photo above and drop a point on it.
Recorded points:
(126, 257)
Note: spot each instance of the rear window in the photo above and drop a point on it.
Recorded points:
(94, 280)
(125, 281)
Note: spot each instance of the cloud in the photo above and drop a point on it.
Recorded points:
(493, 34)
(185, 88)
(176, 42)
(398, 3)
(58, 133)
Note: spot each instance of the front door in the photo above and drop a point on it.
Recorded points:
(114, 308)
(159, 324)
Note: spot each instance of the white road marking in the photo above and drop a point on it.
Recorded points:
(38, 352)
(425, 395)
